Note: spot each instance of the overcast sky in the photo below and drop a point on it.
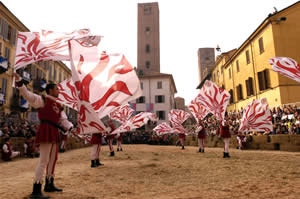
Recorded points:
(185, 26)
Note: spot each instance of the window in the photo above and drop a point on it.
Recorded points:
(147, 64)
(14, 36)
(239, 91)
(229, 71)
(7, 53)
(237, 66)
(261, 45)
(159, 84)
(231, 96)
(247, 57)
(159, 98)
(263, 80)
(0, 48)
(249, 86)
(54, 74)
(140, 100)
(59, 77)
(147, 29)
(147, 10)
(9, 33)
(142, 85)
(4, 29)
(50, 73)
(147, 48)
(161, 115)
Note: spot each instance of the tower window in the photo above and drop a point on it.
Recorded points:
(147, 48)
(147, 64)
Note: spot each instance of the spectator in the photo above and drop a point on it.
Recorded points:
(7, 153)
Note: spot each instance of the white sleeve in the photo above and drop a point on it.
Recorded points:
(5, 148)
(36, 101)
(64, 122)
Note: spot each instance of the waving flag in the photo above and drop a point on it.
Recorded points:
(177, 117)
(214, 99)
(163, 129)
(135, 122)
(104, 80)
(122, 113)
(286, 67)
(257, 116)
(198, 110)
(68, 94)
(45, 45)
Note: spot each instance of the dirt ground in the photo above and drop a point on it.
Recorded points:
(145, 171)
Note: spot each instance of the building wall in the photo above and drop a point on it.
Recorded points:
(206, 60)
(179, 103)
(150, 90)
(278, 40)
(148, 34)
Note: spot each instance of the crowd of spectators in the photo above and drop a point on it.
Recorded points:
(285, 120)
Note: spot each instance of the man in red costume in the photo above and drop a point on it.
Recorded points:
(201, 136)
(52, 118)
(110, 138)
(225, 134)
(96, 142)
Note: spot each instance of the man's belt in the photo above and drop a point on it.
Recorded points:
(53, 124)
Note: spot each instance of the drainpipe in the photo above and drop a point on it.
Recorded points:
(253, 70)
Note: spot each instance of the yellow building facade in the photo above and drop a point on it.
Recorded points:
(247, 74)
(49, 71)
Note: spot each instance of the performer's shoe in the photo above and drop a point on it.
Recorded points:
(224, 155)
(202, 151)
(121, 149)
(98, 163)
(117, 149)
(227, 155)
(112, 153)
(50, 187)
(93, 164)
(199, 150)
(182, 147)
(37, 192)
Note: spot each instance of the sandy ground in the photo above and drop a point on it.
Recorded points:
(144, 171)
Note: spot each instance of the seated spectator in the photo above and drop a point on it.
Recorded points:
(7, 153)
(29, 147)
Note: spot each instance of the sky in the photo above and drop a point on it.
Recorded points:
(185, 26)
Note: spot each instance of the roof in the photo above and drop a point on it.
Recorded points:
(154, 74)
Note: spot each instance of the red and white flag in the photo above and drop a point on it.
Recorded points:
(286, 67)
(165, 128)
(214, 99)
(135, 122)
(122, 113)
(198, 110)
(177, 117)
(106, 80)
(45, 45)
(257, 116)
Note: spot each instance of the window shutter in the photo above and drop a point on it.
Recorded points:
(250, 82)
(260, 81)
(248, 87)
(267, 79)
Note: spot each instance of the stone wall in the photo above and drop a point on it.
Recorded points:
(18, 144)
(263, 142)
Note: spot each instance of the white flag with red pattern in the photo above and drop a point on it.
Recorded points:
(257, 116)
(286, 66)
(177, 117)
(214, 99)
(198, 110)
(107, 80)
(164, 128)
(122, 113)
(45, 45)
(135, 122)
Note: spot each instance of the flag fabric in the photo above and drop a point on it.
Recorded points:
(286, 66)
(198, 110)
(135, 122)
(257, 116)
(163, 129)
(121, 113)
(214, 99)
(177, 117)
(104, 80)
(44, 45)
